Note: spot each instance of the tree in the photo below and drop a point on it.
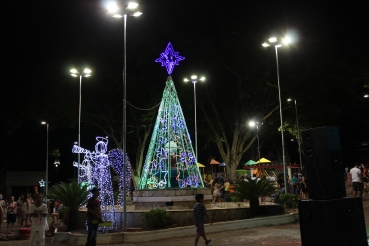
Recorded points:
(73, 196)
(252, 190)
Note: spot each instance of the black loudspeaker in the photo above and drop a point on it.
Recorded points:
(323, 163)
(332, 222)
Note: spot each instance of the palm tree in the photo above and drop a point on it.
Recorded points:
(251, 191)
(71, 195)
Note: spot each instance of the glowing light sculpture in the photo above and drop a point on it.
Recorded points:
(96, 170)
(170, 161)
(116, 161)
(169, 58)
(42, 183)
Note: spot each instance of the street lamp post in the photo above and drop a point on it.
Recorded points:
(253, 124)
(47, 157)
(298, 131)
(273, 42)
(194, 81)
(129, 10)
(86, 73)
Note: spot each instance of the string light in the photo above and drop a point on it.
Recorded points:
(170, 161)
(95, 170)
(116, 161)
(169, 58)
(42, 183)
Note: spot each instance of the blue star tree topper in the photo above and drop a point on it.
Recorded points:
(169, 58)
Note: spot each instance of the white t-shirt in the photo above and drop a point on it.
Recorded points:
(39, 222)
(355, 174)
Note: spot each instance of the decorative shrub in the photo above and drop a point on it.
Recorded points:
(62, 212)
(289, 200)
(156, 218)
(251, 191)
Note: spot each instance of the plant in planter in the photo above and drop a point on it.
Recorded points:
(73, 196)
(156, 218)
(251, 191)
(288, 200)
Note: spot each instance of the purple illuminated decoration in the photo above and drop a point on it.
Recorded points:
(169, 58)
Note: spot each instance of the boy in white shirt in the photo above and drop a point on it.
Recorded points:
(38, 213)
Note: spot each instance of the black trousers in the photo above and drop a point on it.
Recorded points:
(92, 233)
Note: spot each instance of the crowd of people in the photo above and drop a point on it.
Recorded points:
(17, 213)
(221, 186)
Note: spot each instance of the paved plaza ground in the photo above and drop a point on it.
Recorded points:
(287, 235)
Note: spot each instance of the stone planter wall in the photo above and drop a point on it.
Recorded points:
(173, 199)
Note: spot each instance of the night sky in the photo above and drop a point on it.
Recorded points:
(42, 40)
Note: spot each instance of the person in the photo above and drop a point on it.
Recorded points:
(356, 177)
(30, 202)
(304, 185)
(199, 214)
(18, 210)
(1, 216)
(227, 188)
(280, 180)
(349, 182)
(38, 213)
(246, 179)
(365, 176)
(295, 186)
(93, 216)
(35, 189)
(11, 214)
(3, 203)
(24, 209)
(217, 195)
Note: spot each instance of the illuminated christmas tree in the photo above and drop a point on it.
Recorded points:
(170, 161)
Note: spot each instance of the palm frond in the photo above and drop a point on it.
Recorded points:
(253, 189)
(72, 195)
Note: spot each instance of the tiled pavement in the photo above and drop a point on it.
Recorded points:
(287, 235)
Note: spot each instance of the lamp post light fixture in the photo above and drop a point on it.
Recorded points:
(366, 95)
(273, 41)
(74, 73)
(298, 130)
(194, 81)
(47, 157)
(256, 124)
(119, 13)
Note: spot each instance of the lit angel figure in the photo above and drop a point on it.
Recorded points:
(97, 172)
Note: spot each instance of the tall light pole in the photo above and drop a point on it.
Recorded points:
(47, 157)
(253, 124)
(298, 130)
(86, 73)
(274, 42)
(129, 10)
(194, 81)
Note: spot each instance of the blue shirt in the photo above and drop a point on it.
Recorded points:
(199, 212)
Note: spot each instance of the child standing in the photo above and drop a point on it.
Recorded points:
(38, 213)
(199, 213)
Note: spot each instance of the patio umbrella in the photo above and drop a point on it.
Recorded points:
(225, 170)
(249, 163)
(202, 171)
(200, 165)
(263, 160)
(214, 162)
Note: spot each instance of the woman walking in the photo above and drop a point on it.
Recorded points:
(24, 209)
